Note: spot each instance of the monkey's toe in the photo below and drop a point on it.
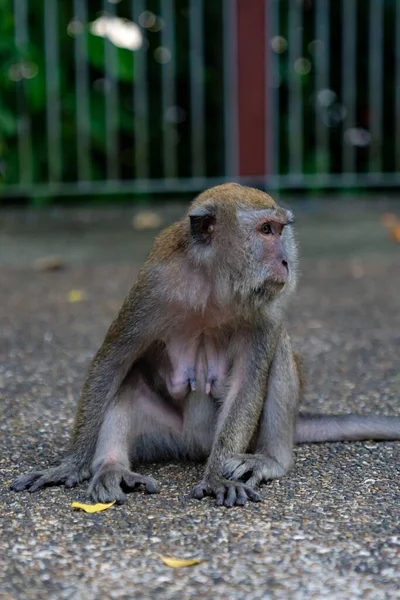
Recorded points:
(62, 474)
(134, 480)
(24, 482)
(227, 493)
(110, 484)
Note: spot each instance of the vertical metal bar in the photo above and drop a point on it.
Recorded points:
(140, 101)
(82, 94)
(375, 83)
(52, 91)
(230, 106)
(295, 121)
(24, 122)
(349, 81)
(168, 88)
(111, 99)
(197, 87)
(272, 119)
(397, 88)
(322, 76)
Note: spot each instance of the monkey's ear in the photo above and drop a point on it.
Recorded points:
(202, 222)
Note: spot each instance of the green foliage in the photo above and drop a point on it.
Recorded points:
(25, 98)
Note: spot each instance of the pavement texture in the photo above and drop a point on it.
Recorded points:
(330, 529)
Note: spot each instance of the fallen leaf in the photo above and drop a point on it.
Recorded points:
(92, 508)
(147, 219)
(177, 563)
(75, 296)
(395, 233)
(389, 220)
(48, 263)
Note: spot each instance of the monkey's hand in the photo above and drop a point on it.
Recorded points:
(253, 468)
(227, 493)
(110, 482)
(66, 473)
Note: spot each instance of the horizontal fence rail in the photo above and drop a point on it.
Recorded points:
(146, 96)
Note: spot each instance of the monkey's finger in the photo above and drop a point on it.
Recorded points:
(25, 481)
(199, 492)
(71, 482)
(220, 496)
(133, 479)
(240, 471)
(252, 494)
(235, 468)
(230, 499)
(255, 480)
(41, 482)
(241, 498)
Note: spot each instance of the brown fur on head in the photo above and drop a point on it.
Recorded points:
(230, 195)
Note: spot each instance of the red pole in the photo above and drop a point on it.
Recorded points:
(251, 77)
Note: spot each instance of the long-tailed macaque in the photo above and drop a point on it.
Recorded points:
(198, 365)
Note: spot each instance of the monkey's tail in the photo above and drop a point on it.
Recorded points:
(342, 428)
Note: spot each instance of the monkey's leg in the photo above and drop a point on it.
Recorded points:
(274, 447)
(137, 414)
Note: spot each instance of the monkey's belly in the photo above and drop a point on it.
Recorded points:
(200, 365)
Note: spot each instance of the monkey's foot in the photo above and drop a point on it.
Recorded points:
(227, 493)
(111, 481)
(65, 474)
(253, 468)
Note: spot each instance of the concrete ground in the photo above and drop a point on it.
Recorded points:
(330, 529)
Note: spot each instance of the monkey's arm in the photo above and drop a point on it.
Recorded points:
(129, 335)
(238, 420)
(274, 448)
(126, 340)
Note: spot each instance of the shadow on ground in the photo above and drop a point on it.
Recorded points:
(328, 530)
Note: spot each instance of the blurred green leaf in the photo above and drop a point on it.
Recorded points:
(8, 121)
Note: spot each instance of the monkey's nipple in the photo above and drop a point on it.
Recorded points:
(211, 379)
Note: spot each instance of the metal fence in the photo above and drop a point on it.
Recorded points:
(183, 118)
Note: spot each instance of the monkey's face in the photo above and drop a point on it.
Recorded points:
(269, 261)
(246, 243)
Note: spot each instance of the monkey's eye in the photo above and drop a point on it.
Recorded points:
(266, 229)
(207, 225)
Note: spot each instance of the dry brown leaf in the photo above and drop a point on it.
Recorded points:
(147, 219)
(92, 508)
(177, 563)
(49, 263)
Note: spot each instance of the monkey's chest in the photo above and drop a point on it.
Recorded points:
(194, 364)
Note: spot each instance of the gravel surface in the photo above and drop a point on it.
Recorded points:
(330, 529)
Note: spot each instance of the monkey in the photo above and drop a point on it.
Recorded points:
(198, 364)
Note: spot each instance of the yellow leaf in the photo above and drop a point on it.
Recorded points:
(92, 508)
(75, 296)
(177, 563)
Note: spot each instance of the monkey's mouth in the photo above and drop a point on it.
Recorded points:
(270, 287)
